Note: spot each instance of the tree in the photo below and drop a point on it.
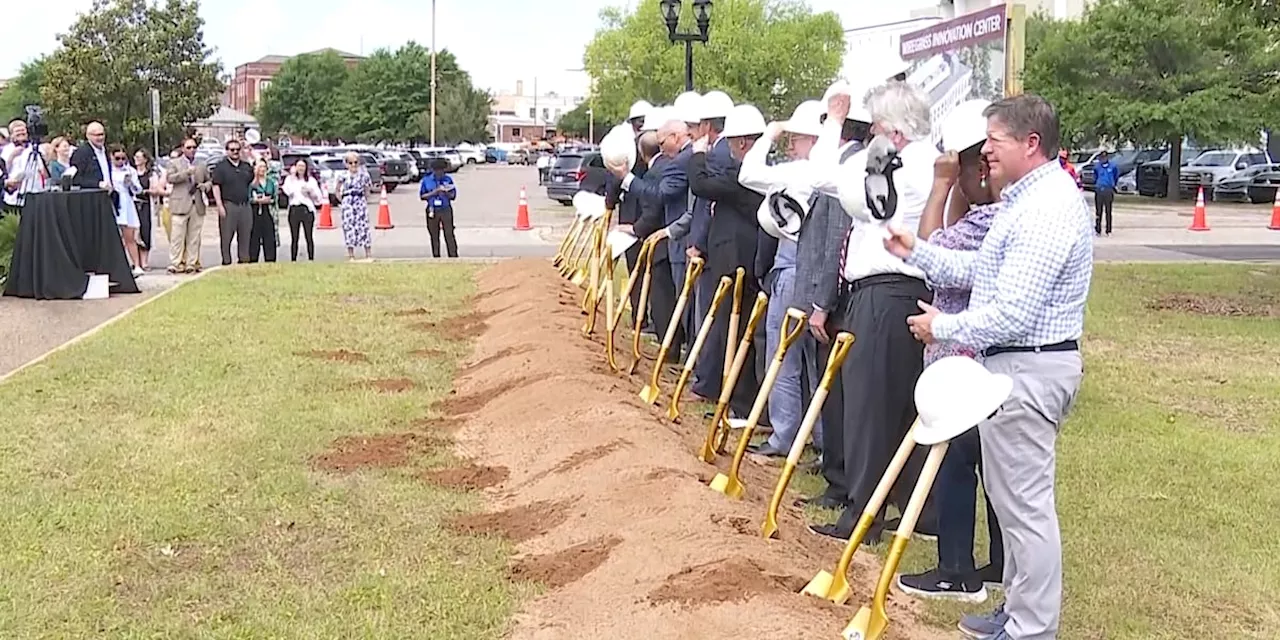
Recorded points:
(577, 122)
(773, 54)
(462, 113)
(388, 98)
(1156, 71)
(22, 91)
(115, 53)
(304, 95)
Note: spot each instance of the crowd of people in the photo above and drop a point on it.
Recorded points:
(978, 246)
(177, 191)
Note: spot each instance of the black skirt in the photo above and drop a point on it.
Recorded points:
(144, 223)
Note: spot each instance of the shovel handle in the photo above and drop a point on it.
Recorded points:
(721, 290)
(644, 304)
(791, 333)
(631, 285)
(839, 350)
(691, 273)
(882, 491)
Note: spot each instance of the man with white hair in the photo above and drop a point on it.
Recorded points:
(627, 209)
(878, 292)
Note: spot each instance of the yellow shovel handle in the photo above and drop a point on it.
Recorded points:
(791, 333)
(839, 350)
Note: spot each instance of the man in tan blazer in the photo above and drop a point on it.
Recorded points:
(190, 180)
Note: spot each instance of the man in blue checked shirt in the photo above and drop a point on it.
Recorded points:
(1030, 279)
(438, 191)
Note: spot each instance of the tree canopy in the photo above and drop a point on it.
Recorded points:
(22, 91)
(112, 57)
(387, 97)
(773, 54)
(1152, 72)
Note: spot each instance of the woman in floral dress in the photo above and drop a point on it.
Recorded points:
(354, 186)
(960, 178)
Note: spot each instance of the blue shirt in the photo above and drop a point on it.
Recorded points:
(438, 201)
(1030, 277)
(1105, 175)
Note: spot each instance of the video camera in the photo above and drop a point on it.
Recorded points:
(37, 130)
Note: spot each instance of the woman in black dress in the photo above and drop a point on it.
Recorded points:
(153, 188)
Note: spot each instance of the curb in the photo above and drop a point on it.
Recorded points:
(104, 324)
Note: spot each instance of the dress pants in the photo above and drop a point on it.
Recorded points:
(879, 382)
(236, 225)
(682, 336)
(302, 221)
(787, 403)
(262, 235)
(184, 240)
(1019, 465)
(1103, 201)
(637, 314)
(441, 220)
(956, 495)
(833, 419)
(662, 299)
(708, 383)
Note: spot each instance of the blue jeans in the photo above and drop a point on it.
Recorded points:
(787, 398)
(956, 495)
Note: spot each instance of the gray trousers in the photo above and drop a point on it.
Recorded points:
(237, 224)
(1018, 465)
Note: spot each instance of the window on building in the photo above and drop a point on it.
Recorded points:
(515, 132)
(546, 113)
(557, 114)
(533, 113)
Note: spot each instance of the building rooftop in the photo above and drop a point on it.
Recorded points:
(274, 59)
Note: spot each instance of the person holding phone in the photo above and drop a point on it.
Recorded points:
(304, 196)
(439, 192)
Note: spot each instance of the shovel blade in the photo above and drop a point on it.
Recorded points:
(673, 412)
(866, 625)
(770, 526)
(730, 487)
(826, 586)
(649, 394)
(708, 453)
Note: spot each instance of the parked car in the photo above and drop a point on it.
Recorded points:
(395, 171)
(574, 172)
(404, 156)
(471, 154)
(1153, 177)
(451, 156)
(375, 170)
(421, 159)
(495, 155)
(1256, 184)
(1211, 167)
(330, 167)
(1128, 183)
(517, 156)
(1126, 161)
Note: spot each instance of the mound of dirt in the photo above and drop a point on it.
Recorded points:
(382, 450)
(463, 327)
(437, 424)
(468, 477)
(388, 385)
(540, 401)
(516, 524)
(566, 566)
(728, 580)
(1217, 305)
(341, 355)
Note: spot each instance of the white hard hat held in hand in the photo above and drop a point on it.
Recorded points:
(744, 120)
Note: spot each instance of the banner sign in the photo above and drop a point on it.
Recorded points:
(965, 31)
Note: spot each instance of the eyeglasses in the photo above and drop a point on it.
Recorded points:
(233, 149)
(188, 146)
(118, 158)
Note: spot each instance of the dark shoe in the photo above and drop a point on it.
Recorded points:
(873, 537)
(767, 450)
(933, 584)
(984, 626)
(992, 576)
(825, 502)
(922, 531)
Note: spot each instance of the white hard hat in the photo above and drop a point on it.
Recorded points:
(4, 132)
(953, 395)
(639, 109)
(656, 117)
(780, 216)
(744, 120)
(716, 104)
(857, 110)
(688, 106)
(964, 126)
(806, 119)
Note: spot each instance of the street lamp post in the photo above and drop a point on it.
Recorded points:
(671, 15)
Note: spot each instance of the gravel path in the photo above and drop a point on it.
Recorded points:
(30, 328)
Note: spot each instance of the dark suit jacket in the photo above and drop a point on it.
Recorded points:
(88, 172)
(731, 238)
(667, 182)
(822, 235)
(650, 215)
(717, 158)
(625, 206)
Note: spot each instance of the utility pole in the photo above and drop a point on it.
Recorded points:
(433, 73)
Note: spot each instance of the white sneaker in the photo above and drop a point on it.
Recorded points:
(138, 272)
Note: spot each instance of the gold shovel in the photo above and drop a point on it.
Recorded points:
(567, 241)
(834, 361)
(731, 484)
(734, 317)
(604, 292)
(835, 586)
(569, 265)
(871, 620)
(638, 317)
(673, 410)
(616, 318)
(651, 391)
(708, 452)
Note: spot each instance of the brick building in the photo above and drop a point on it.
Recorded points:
(245, 88)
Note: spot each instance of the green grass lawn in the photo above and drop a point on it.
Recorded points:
(1169, 466)
(156, 480)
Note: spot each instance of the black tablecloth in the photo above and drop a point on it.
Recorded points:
(63, 237)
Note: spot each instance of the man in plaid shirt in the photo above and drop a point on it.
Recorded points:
(1030, 280)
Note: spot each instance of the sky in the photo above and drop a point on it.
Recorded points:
(497, 41)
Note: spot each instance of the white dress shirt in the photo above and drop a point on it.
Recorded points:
(301, 192)
(793, 176)
(30, 181)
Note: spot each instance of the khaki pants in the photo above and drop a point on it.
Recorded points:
(184, 241)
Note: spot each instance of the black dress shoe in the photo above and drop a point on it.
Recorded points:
(873, 537)
(767, 450)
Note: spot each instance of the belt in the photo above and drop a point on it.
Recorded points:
(1065, 345)
(879, 278)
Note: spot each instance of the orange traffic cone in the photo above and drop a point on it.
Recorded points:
(1198, 222)
(522, 213)
(326, 216)
(1275, 213)
(384, 212)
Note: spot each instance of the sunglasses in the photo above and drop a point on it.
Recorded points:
(233, 149)
(118, 158)
(189, 146)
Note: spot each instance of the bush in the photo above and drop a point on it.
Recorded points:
(8, 238)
